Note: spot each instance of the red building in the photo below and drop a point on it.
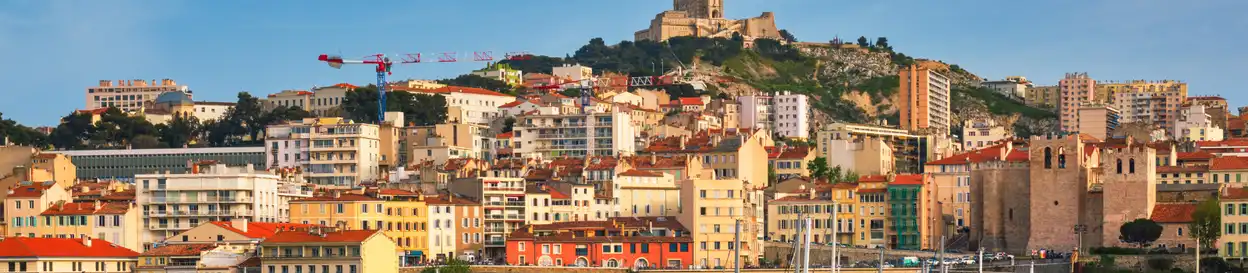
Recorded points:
(642, 242)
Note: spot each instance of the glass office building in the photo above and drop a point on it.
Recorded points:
(124, 164)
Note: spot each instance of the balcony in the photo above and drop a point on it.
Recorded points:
(515, 217)
(515, 203)
(495, 242)
(500, 188)
(495, 217)
(309, 256)
(495, 230)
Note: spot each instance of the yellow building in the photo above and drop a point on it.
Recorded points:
(25, 203)
(65, 255)
(1042, 96)
(712, 209)
(117, 223)
(318, 250)
(340, 210)
(407, 223)
(872, 211)
(645, 193)
(817, 202)
(1234, 239)
(181, 257)
(792, 162)
(1231, 170)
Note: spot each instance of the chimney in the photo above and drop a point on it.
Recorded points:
(86, 241)
(96, 205)
(239, 223)
(337, 194)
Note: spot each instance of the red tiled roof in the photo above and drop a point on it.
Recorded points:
(346, 85)
(1235, 193)
(907, 179)
(636, 172)
(95, 111)
(875, 190)
(690, 101)
(345, 236)
(1228, 163)
(345, 197)
(982, 155)
(61, 247)
(602, 163)
(513, 104)
(556, 194)
(794, 153)
(1018, 155)
(873, 178)
(179, 250)
(1086, 138)
(1235, 142)
(1173, 213)
(29, 191)
(1199, 155)
(1205, 98)
(261, 230)
(87, 208)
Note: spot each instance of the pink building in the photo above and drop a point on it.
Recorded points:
(1075, 90)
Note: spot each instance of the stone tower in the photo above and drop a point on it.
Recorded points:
(701, 9)
(1058, 187)
(1129, 182)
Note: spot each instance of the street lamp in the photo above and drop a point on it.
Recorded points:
(1079, 229)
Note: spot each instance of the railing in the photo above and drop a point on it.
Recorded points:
(495, 242)
(504, 189)
(515, 217)
(495, 229)
(494, 203)
(495, 216)
(515, 203)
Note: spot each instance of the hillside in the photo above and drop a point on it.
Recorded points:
(847, 82)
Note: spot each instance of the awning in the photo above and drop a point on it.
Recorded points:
(415, 253)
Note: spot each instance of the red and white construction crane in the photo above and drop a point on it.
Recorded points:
(383, 64)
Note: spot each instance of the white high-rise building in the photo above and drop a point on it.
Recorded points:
(786, 113)
(1195, 124)
(576, 135)
(173, 203)
(330, 151)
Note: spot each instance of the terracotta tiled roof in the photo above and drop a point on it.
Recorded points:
(602, 163)
(30, 191)
(1018, 155)
(345, 197)
(95, 111)
(513, 104)
(875, 190)
(447, 200)
(506, 135)
(690, 101)
(1198, 155)
(87, 208)
(261, 230)
(907, 179)
(1234, 142)
(61, 247)
(636, 172)
(989, 153)
(1228, 163)
(345, 236)
(873, 178)
(1086, 138)
(795, 153)
(556, 194)
(346, 85)
(1173, 213)
(1235, 193)
(179, 250)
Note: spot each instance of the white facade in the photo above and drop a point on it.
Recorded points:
(173, 203)
(478, 107)
(792, 113)
(441, 228)
(627, 98)
(1195, 124)
(642, 193)
(128, 95)
(573, 72)
(596, 134)
(330, 151)
(787, 114)
(980, 133)
(323, 101)
(1009, 87)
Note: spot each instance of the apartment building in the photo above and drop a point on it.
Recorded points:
(645, 193)
(620, 242)
(786, 113)
(65, 255)
(791, 161)
(330, 151)
(124, 165)
(173, 203)
(503, 204)
(440, 142)
(456, 228)
(501, 72)
(1231, 170)
(828, 206)
(1048, 97)
(1156, 102)
(1013, 86)
(1215, 106)
(906, 154)
(289, 99)
(575, 135)
(550, 202)
(926, 97)
(982, 132)
(351, 211)
(910, 217)
(407, 223)
(872, 193)
(129, 95)
(1098, 120)
(571, 72)
(25, 204)
(1076, 90)
(117, 223)
(1234, 240)
(323, 250)
(1196, 124)
(716, 211)
(756, 111)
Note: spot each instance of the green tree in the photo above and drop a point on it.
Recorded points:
(180, 131)
(850, 176)
(73, 132)
(835, 174)
(862, 42)
(787, 36)
(116, 129)
(1206, 223)
(571, 92)
(509, 124)
(1140, 232)
(882, 43)
(283, 114)
(422, 109)
(771, 174)
(818, 167)
(474, 81)
(21, 135)
(247, 113)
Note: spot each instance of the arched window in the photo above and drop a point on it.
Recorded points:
(1061, 158)
(1132, 166)
(1048, 158)
(1120, 165)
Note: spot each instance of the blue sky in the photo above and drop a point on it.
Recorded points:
(55, 49)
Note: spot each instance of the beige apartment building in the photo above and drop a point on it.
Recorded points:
(116, 222)
(1196, 124)
(129, 95)
(1076, 90)
(1098, 120)
(25, 205)
(322, 250)
(713, 210)
(1234, 240)
(330, 151)
(865, 149)
(645, 193)
(1043, 96)
(982, 132)
(925, 94)
(1155, 102)
(440, 142)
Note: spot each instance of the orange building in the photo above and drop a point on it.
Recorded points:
(925, 98)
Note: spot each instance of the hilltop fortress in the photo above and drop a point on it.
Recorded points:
(705, 18)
